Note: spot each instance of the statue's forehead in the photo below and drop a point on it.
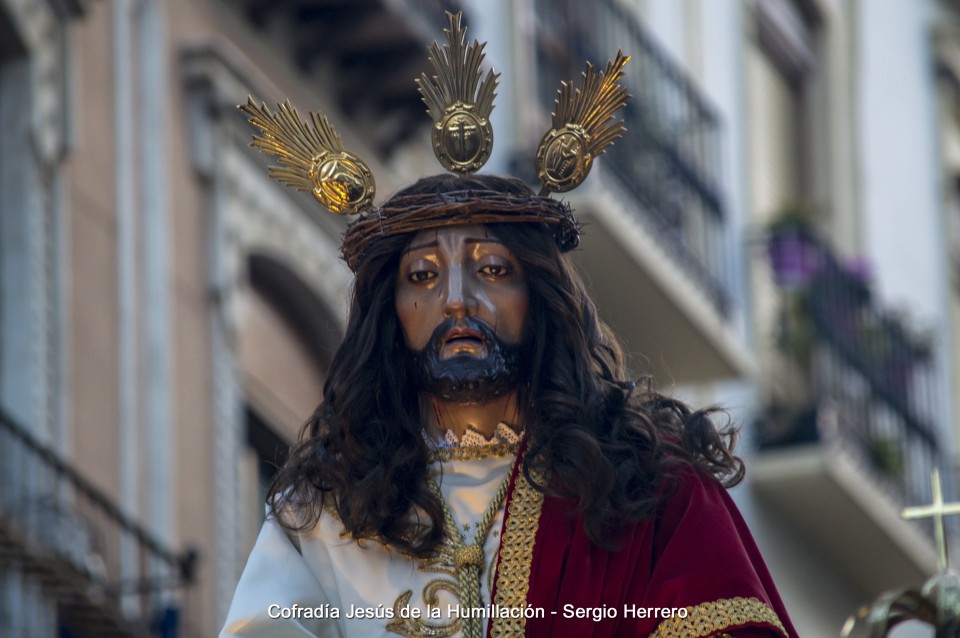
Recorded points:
(451, 235)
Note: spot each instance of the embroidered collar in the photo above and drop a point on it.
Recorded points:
(474, 445)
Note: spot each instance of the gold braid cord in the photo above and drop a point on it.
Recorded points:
(462, 561)
(715, 618)
(581, 126)
(459, 103)
(469, 559)
(312, 158)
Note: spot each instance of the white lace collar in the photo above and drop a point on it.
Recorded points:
(474, 445)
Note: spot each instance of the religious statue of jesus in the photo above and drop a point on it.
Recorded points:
(479, 464)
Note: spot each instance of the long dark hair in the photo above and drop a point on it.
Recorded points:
(612, 445)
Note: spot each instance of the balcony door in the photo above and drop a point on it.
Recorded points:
(779, 65)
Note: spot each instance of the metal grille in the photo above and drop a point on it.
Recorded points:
(669, 160)
(58, 530)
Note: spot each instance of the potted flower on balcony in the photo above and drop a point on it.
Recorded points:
(794, 252)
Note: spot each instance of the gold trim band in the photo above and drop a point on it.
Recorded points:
(516, 554)
(474, 452)
(706, 619)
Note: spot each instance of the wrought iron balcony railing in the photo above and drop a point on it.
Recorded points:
(870, 381)
(372, 48)
(670, 158)
(106, 574)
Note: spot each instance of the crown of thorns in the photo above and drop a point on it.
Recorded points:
(459, 98)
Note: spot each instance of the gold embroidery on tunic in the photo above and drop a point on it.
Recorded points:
(417, 627)
(706, 619)
(441, 563)
(516, 553)
(445, 562)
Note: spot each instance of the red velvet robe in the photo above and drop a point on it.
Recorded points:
(695, 554)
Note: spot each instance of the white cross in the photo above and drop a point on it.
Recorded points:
(936, 510)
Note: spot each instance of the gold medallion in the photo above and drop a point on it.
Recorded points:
(581, 126)
(312, 158)
(342, 183)
(462, 140)
(459, 102)
(459, 97)
(563, 160)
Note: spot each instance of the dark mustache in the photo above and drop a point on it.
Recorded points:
(440, 332)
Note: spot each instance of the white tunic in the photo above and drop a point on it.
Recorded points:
(286, 593)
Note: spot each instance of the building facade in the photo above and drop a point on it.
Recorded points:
(836, 116)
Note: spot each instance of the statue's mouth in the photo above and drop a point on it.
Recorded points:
(461, 340)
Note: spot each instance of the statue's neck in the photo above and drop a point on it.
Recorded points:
(438, 415)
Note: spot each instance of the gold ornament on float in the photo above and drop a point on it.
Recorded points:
(459, 98)
(581, 126)
(312, 158)
(459, 103)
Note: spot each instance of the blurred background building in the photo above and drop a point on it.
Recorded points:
(778, 232)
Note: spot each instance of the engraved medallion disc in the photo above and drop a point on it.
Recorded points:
(462, 140)
(342, 183)
(563, 159)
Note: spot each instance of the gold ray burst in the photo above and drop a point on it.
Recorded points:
(582, 129)
(312, 158)
(458, 101)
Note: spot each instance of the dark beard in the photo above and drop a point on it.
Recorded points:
(466, 379)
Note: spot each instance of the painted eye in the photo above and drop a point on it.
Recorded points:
(421, 276)
(495, 270)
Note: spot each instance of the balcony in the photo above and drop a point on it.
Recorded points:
(60, 532)
(851, 435)
(367, 52)
(657, 220)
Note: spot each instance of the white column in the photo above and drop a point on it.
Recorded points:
(21, 222)
(493, 22)
(226, 262)
(158, 389)
(125, 203)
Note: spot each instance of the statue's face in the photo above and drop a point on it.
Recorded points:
(462, 302)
